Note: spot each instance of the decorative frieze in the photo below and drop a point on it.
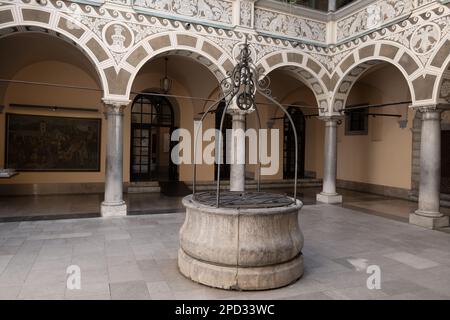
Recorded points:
(212, 10)
(246, 13)
(290, 26)
(373, 16)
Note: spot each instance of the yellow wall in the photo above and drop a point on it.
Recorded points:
(382, 157)
(61, 73)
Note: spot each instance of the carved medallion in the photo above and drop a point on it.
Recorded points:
(118, 36)
(425, 38)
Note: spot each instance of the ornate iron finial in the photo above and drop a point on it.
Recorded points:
(243, 78)
(240, 89)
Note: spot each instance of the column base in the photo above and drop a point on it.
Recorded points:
(429, 222)
(113, 209)
(329, 198)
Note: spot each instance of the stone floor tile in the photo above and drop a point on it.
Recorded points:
(89, 289)
(10, 292)
(40, 291)
(124, 273)
(131, 290)
(412, 260)
(158, 286)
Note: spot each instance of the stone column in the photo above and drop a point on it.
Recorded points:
(328, 194)
(237, 167)
(331, 5)
(427, 214)
(113, 205)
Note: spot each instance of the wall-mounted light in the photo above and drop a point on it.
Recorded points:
(165, 83)
(403, 123)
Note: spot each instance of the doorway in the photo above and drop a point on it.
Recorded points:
(445, 161)
(152, 123)
(289, 144)
(227, 124)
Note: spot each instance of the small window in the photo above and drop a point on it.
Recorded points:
(356, 122)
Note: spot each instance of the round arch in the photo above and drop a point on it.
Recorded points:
(303, 67)
(61, 26)
(177, 43)
(360, 60)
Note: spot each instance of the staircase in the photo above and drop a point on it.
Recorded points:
(144, 187)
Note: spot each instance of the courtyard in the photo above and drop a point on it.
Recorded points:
(221, 150)
(135, 257)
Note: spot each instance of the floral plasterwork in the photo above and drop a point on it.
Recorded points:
(372, 17)
(291, 26)
(214, 10)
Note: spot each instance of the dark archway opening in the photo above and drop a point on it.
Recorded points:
(289, 144)
(227, 124)
(152, 123)
(445, 161)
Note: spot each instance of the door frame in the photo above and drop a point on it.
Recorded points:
(140, 125)
(289, 138)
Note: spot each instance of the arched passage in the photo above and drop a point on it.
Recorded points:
(73, 137)
(59, 25)
(302, 67)
(292, 91)
(152, 120)
(193, 46)
(289, 144)
(365, 58)
(375, 143)
(194, 76)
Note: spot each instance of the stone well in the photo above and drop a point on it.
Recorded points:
(251, 242)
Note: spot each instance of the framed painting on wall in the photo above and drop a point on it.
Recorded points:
(52, 143)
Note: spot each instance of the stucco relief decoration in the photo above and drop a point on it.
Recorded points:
(225, 43)
(291, 26)
(122, 2)
(246, 14)
(425, 38)
(75, 13)
(262, 50)
(445, 89)
(220, 11)
(372, 17)
(119, 38)
(237, 52)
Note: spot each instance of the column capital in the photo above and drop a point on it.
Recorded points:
(115, 106)
(331, 118)
(427, 108)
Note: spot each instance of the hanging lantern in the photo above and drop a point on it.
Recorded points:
(165, 83)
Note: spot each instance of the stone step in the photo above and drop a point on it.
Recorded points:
(252, 184)
(144, 187)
